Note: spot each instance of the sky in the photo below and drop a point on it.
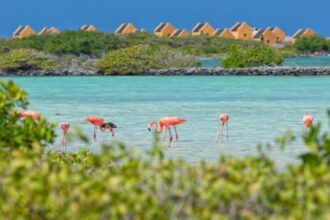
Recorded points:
(107, 15)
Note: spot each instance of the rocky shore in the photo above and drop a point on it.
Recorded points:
(259, 71)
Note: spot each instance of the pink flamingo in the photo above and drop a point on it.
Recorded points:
(224, 118)
(308, 120)
(167, 122)
(97, 122)
(64, 127)
(29, 114)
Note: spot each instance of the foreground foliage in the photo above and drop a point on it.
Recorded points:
(15, 133)
(25, 59)
(141, 58)
(119, 183)
(239, 57)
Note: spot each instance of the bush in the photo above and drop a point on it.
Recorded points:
(312, 44)
(255, 56)
(25, 59)
(97, 44)
(119, 183)
(16, 133)
(138, 59)
(71, 42)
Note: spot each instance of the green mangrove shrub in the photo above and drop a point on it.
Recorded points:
(97, 44)
(253, 56)
(312, 44)
(141, 58)
(25, 59)
(121, 183)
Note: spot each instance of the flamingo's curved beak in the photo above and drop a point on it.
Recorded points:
(149, 129)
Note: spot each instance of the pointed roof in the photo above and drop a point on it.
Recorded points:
(299, 33)
(88, 28)
(125, 28)
(218, 31)
(258, 33)
(53, 30)
(84, 27)
(121, 28)
(160, 27)
(18, 31)
(236, 26)
(177, 33)
(44, 30)
(180, 33)
(198, 27)
(25, 31)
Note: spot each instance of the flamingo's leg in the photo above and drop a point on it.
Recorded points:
(165, 133)
(227, 132)
(171, 137)
(219, 133)
(176, 134)
(94, 133)
(62, 143)
(112, 131)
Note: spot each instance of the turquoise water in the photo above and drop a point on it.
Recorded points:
(308, 61)
(260, 109)
(297, 61)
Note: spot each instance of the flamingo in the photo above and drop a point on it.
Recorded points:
(110, 126)
(97, 122)
(29, 114)
(167, 122)
(308, 120)
(224, 118)
(64, 127)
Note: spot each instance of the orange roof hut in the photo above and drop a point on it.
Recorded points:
(22, 32)
(52, 30)
(164, 30)
(242, 31)
(279, 34)
(88, 28)
(203, 29)
(266, 36)
(126, 29)
(302, 33)
(181, 33)
(223, 33)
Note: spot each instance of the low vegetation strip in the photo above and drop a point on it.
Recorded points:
(101, 53)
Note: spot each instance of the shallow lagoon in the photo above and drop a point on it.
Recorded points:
(260, 109)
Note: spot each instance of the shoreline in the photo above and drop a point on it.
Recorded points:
(197, 71)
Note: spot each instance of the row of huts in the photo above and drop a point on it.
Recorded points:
(240, 31)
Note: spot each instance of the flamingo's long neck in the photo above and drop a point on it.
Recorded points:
(159, 128)
(101, 128)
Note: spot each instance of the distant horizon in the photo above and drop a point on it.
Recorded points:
(68, 15)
